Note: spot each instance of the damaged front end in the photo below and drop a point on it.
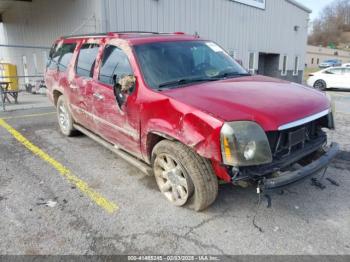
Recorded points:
(277, 159)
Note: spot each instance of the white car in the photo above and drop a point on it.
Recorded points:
(332, 77)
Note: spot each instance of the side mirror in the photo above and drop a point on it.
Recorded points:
(122, 87)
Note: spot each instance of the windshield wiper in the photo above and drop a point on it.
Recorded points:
(231, 75)
(184, 81)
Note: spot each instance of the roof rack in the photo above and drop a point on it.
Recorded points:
(135, 32)
(119, 33)
(82, 35)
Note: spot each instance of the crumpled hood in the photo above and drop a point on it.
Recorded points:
(269, 102)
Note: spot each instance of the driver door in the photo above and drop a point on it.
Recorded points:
(117, 124)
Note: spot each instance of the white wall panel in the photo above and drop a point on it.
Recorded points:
(40, 22)
(233, 25)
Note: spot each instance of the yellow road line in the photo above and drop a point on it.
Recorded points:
(107, 205)
(31, 115)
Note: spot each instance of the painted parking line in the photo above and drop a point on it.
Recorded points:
(98, 199)
(30, 115)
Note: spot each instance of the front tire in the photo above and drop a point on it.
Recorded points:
(320, 85)
(183, 176)
(65, 119)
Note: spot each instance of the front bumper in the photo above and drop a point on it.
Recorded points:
(292, 177)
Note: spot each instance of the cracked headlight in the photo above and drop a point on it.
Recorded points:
(244, 143)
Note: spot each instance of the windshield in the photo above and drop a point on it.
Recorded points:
(171, 64)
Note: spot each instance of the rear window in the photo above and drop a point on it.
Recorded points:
(66, 51)
(86, 60)
(336, 71)
(60, 56)
(53, 57)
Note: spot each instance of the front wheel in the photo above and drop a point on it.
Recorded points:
(65, 120)
(183, 176)
(320, 85)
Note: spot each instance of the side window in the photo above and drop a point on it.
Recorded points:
(65, 57)
(86, 60)
(53, 57)
(335, 71)
(114, 62)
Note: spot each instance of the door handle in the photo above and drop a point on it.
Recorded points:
(98, 96)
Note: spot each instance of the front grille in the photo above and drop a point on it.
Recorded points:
(290, 141)
(290, 146)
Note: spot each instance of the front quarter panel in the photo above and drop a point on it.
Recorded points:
(196, 129)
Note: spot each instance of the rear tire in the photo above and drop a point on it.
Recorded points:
(176, 167)
(320, 85)
(64, 117)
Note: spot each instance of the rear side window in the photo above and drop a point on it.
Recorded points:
(86, 60)
(67, 51)
(54, 56)
(336, 71)
(114, 62)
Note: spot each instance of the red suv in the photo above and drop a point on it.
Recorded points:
(181, 108)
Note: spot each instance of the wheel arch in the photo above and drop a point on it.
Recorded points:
(56, 94)
(153, 138)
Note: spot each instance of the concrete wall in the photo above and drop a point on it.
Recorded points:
(316, 55)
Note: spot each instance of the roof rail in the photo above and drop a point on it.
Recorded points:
(119, 33)
(83, 35)
(134, 32)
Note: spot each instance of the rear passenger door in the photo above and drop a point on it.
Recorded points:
(81, 85)
(118, 125)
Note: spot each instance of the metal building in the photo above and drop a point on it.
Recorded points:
(268, 36)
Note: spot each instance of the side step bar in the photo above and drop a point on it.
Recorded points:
(142, 166)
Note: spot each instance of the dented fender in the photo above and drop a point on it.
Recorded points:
(179, 122)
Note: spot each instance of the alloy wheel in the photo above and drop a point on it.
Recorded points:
(320, 85)
(172, 179)
(63, 117)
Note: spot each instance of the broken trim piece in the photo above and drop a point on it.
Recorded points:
(304, 120)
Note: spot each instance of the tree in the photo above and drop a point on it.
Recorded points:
(330, 25)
